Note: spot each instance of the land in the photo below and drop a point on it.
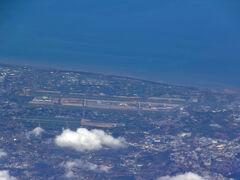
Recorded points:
(169, 129)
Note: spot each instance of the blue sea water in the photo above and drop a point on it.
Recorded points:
(176, 41)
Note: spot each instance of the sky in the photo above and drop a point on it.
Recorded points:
(176, 41)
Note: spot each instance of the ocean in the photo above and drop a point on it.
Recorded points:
(185, 42)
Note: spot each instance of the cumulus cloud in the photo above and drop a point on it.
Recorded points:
(72, 166)
(88, 140)
(35, 132)
(186, 176)
(4, 175)
(2, 153)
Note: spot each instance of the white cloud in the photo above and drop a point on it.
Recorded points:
(88, 140)
(2, 153)
(186, 176)
(4, 175)
(72, 166)
(36, 132)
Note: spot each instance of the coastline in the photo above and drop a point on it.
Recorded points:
(165, 78)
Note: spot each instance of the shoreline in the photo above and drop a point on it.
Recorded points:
(105, 71)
